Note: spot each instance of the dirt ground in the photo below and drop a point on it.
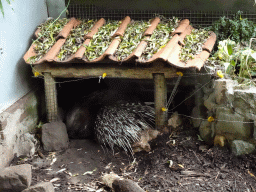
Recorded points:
(195, 166)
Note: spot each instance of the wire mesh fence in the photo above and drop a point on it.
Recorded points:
(197, 18)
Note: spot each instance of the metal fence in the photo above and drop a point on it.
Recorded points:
(197, 18)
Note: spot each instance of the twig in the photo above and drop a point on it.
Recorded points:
(197, 157)
(217, 175)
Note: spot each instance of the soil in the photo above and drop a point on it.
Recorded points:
(195, 166)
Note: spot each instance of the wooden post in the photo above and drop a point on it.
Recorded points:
(160, 94)
(50, 97)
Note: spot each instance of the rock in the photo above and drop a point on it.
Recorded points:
(240, 147)
(196, 114)
(231, 125)
(223, 90)
(15, 178)
(175, 120)
(119, 184)
(26, 145)
(206, 131)
(146, 136)
(54, 136)
(220, 140)
(41, 187)
(245, 102)
(210, 102)
(41, 163)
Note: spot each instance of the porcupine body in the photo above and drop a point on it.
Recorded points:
(110, 117)
(120, 124)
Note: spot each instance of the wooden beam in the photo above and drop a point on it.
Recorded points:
(160, 93)
(50, 97)
(87, 71)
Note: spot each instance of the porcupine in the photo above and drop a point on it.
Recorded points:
(114, 119)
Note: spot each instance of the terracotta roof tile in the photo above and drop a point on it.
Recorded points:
(169, 53)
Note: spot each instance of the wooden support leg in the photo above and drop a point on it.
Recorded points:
(50, 97)
(160, 93)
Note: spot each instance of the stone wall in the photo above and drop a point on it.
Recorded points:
(234, 114)
(15, 125)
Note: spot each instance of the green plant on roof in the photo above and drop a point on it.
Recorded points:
(193, 44)
(101, 40)
(49, 30)
(131, 39)
(160, 37)
(75, 39)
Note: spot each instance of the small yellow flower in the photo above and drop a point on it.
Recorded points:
(164, 109)
(104, 75)
(36, 74)
(179, 73)
(210, 119)
(220, 74)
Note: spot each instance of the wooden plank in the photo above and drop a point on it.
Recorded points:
(160, 94)
(94, 70)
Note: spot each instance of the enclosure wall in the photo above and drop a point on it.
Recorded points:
(17, 29)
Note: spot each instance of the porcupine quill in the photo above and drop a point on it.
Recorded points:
(112, 118)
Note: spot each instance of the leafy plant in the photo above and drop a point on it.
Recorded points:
(131, 39)
(101, 40)
(75, 39)
(160, 37)
(237, 60)
(193, 44)
(237, 29)
(47, 37)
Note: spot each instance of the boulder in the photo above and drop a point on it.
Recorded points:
(54, 136)
(240, 147)
(26, 145)
(206, 131)
(223, 90)
(245, 102)
(15, 178)
(231, 125)
(41, 187)
(210, 103)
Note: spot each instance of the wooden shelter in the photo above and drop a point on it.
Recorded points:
(161, 66)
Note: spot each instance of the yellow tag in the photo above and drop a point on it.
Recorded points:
(220, 74)
(164, 109)
(210, 119)
(104, 75)
(36, 74)
(181, 166)
(179, 73)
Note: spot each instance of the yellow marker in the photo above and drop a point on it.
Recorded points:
(220, 74)
(164, 109)
(36, 74)
(210, 119)
(104, 75)
(179, 73)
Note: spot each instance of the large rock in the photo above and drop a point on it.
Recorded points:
(41, 187)
(26, 145)
(54, 136)
(223, 91)
(240, 147)
(15, 178)
(206, 131)
(232, 126)
(245, 102)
